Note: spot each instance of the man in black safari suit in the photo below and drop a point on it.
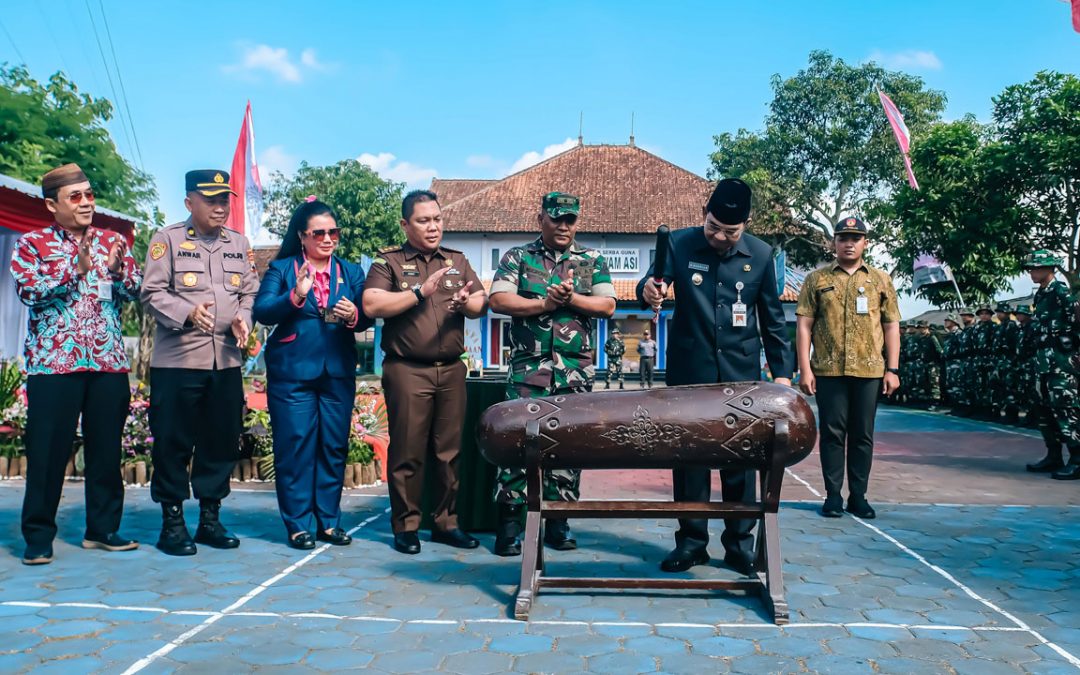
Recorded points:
(726, 309)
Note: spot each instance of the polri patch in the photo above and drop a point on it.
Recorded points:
(157, 250)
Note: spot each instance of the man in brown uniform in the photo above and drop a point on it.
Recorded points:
(199, 285)
(423, 292)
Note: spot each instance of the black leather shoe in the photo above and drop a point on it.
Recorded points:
(210, 531)
(740, 562)
(336, 536)
(1068, 472)
(174, 539)
(682, 559)
(456, 537)
(407, 542)
(557, 535)
(833, 507)
(110, 542)
(508, 530)
(858, 506)
(1047, 464)
(37, 555)
(302, 541)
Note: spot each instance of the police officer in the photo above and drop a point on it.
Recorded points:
(614, 348)
(1057, 327)
(553, 288)
(200, 285)
(646, 348)
(423, 291)
(726, 307)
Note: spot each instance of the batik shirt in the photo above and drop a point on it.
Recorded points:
(73, 325)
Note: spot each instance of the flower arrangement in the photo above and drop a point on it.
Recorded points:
(259, 438)
(360, 460)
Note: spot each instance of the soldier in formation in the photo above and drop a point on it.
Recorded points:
(614, 348)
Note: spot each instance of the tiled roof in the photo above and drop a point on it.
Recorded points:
(450, 190)
(623, 190)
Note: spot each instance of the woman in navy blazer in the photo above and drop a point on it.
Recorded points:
(313, 299)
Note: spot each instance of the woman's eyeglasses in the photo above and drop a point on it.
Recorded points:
(77, 197)
(318, 235)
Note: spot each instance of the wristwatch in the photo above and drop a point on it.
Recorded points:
(894, 371)
(417, 293)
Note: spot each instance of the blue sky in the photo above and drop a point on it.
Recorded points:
(476, 89)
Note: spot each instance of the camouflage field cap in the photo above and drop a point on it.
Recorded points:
(955, 318)
(1041, 258)
(1023, 309)
(984, 307)
(966, 310)
(559, 204)
(922, 323)
(1003, 308)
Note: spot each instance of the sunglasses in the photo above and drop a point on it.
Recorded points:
(333, 232)
(77, 197)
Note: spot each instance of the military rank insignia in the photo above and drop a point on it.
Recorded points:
(157, 250)
(188, 245)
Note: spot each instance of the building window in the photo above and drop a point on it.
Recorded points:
(494, 259)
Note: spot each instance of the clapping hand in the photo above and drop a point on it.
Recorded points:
(85, 262)
(431, 284)
(345, 310)
(561, 293)
(202, 317)
(116, 256)
(305, 279)
(460, 298)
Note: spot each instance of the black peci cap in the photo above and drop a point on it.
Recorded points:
(730, 202)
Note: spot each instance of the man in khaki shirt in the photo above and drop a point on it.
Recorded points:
(848, 312)
(199, 285)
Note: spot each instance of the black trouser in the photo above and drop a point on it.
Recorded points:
(194, 412)
(694, 485)
(847, 407)
(646, 369)
(54, 403)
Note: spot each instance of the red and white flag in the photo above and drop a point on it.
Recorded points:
(903, 136)
(246, 209)
(1076, 15)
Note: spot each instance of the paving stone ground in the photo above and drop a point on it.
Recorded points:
(979, 574)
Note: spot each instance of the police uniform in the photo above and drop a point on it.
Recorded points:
(726, 308)
(424, 383)
(196, 390)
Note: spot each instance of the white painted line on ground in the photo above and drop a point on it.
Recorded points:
(506, 621)
(247, 597)
(1071, 658)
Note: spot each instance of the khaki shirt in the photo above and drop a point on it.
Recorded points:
(182, 271)
(429, 332)
(846, 343)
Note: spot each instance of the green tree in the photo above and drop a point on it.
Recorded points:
(45, 125)
(1038, 124)
(962, 214)
(368, 207)
(827, 150)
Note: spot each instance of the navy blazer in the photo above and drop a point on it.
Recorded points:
(703, 346)
(303, 345)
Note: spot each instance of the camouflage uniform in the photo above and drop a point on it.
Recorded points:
(1024, 380)
(981, 364)
(550, 353)
(954, 365)
(967, 381)
(903, 393)
(1057, 362)
(1005, 343)
(928, 355)
(614, 348)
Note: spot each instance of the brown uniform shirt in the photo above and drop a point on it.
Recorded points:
(429, 332)
(845, 342)
(181, 271)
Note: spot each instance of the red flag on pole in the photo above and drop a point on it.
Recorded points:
(1076, 15)
(245, 209)
(903, 136)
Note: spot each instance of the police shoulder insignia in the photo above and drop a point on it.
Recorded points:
(378, 261)
(157, 249)
(188, 246)
(388, 249)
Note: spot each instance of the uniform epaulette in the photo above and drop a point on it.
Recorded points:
(390, 249)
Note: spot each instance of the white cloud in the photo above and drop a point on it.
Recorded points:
(387, 165)
(275, 158)
(532, 157)
(276, 61)
(911, 59)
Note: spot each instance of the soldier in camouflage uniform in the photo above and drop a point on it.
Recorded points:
(928, 354)
(953, 364)
(553, 288)
(981, 363)
(902, 394)
(965, 350)
(1057, 328)
(1006, 340)
(1024, 381)
(614, 348)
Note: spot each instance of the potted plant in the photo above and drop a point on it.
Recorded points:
(136, 441)
(361, 453)
(258, 436)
